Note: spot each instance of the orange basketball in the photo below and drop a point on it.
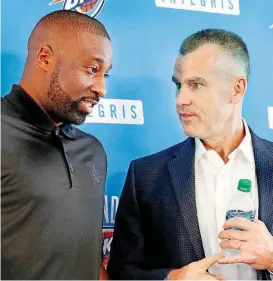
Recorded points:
(89, 5)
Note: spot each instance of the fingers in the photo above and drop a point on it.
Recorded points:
(234, 244)
(210, 277)
(207, 262)
(247, 259)
(215, 277)
(233, 234)
(238, 222)
(218, 278)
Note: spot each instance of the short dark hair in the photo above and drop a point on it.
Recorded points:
(73, 20)
(228, 41)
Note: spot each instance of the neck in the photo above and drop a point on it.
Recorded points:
(226, 142)
(33, 91)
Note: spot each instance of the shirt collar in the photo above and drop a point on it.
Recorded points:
(245, 147)
(31, 112)
(200, 149)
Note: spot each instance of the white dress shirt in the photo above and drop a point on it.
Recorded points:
(216, 182)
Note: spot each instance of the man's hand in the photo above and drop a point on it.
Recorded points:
(254, 242)
(196, 270)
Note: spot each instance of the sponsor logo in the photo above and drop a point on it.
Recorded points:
(270, 116)
(229, 7)
(94, 172)
(117, 111)
(107, 237)
(110, 210)
(89, 7)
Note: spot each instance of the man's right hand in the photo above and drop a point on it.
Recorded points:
(196, 270)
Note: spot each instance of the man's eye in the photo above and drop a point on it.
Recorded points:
(92, 69)
(196, 86)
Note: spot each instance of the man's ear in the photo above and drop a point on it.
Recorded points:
(240, 86)
(45, 58)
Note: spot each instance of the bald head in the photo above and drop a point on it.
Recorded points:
(69, 56)
(60, 28)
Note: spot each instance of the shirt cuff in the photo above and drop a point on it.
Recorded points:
(166, 278)
(270, 272)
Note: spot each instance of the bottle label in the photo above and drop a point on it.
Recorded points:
(249, 215)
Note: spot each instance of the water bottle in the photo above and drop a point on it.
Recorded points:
(240, 205)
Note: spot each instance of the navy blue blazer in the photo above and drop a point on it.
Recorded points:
(156, 228)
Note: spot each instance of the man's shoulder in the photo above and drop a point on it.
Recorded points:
(268, 144)
(164, 155)
(81, 135)
(6, 108)
(10, 117)
(262, 144)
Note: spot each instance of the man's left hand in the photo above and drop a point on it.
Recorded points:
(254, 242)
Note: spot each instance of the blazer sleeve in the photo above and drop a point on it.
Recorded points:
(127, 257)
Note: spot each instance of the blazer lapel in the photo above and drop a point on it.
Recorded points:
(264, 172)
(182, 173)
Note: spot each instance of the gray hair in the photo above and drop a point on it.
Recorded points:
(229, 42)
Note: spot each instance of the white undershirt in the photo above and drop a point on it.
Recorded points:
(216, 182)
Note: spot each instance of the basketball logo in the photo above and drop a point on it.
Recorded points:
(89, 7)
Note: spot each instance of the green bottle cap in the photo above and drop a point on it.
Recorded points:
(244, 185)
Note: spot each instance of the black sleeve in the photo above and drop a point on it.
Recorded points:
(127, 257)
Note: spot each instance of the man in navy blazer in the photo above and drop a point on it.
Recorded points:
(170, 222)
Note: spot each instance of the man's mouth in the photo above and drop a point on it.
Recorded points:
(87, 104)
(187, 116)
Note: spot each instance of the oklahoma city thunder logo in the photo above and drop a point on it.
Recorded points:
(90, 7)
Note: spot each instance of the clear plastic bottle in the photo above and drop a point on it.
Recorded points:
(240, 205)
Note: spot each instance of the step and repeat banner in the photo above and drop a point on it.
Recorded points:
(138, 116)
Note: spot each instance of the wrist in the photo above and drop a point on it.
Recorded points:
(173, 275)
(270, 267)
